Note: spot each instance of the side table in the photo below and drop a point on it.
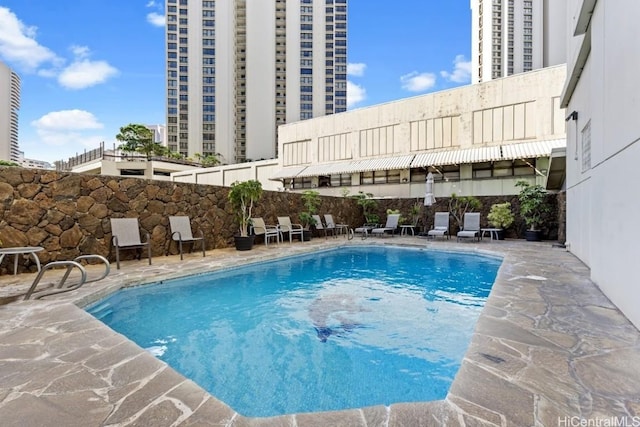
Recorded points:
(24, 250)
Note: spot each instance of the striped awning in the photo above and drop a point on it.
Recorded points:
(384, 163)
(290, 172)
(456, 157)
(494, 153)
(527, 150)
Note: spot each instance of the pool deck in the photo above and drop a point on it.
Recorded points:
(549, 349)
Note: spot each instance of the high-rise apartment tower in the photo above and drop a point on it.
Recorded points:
(9, 105)
(236, 69)
(514, 36)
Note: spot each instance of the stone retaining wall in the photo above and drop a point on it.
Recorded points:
(69, 214)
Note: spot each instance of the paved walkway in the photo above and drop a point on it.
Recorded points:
(549, 350)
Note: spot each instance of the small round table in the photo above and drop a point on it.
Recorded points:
(404, 228)
(493, 232)
(24, 250)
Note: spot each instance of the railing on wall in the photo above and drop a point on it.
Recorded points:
(114, 155)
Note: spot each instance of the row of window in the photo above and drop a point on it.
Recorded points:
(502, 169)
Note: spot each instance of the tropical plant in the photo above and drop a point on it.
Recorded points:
(368, 204)
(458, 206)
(208, 160)
(139, 138)
(243, 196)
(500, 215)
(533, 203)
(414, 213)
(311, 201)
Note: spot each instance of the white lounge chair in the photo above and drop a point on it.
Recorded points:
(125, 234)
(390, 226)
(440, 225)
(285, 226)
(181, 232)
(471, 227)
(262, 229)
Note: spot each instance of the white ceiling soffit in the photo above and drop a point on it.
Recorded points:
(531, 149)
(290, 172)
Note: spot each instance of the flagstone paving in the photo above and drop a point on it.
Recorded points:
(549, 349)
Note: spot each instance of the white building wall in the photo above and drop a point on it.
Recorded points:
(9, 105)
(225, 80)
(195, 80)
(547, 31)
(260, 72)
(293, 57)
(602, 201)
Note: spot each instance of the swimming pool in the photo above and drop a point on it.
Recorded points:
(346, 328)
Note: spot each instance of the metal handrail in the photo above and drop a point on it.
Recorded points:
(69, 265)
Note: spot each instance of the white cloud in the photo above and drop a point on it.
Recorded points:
(356, 69)
(355, 94)
(67, 120)
(83, 74)
(418, 82)
(156, 19)
(68, 128)
(18, 43)
(461, 71)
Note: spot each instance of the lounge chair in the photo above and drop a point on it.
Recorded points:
(125, 234)
(440, 225)
(471, 227)
(326, 229)
(285, 225)
(262, 229)
(365, 229)
(390, 226)
(181, 232)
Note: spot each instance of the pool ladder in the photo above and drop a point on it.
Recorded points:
(62, 286)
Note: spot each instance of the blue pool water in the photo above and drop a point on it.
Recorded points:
(346, 328)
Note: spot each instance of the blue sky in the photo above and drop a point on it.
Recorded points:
(90, 67)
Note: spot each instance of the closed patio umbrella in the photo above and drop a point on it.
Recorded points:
(429, 199)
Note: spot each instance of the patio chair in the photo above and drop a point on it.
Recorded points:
(262, 229)
(181, 232)
(338, 228)
(285, 226)
(440, 226)
(125, 234)
(471, 227)
(390, 226)
(326, 229)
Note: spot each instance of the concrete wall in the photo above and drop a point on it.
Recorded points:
(602, 196)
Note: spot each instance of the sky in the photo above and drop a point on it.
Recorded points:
(90, 67)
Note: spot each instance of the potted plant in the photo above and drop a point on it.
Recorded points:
(311, 201)
(243, 195)
(533, 208)
(500, 216)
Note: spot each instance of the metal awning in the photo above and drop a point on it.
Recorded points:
(455, 157)
(531, 149)
(385, 163)
(323, 169)
(290, 172)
